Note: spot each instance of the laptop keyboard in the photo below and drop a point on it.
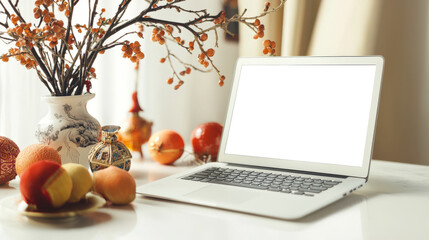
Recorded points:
(300, 185)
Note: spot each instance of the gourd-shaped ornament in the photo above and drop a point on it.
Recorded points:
(136, 130)
(109, 151)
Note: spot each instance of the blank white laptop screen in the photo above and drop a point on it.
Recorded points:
(312, 113)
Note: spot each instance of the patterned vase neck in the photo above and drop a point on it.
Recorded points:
(109, 133)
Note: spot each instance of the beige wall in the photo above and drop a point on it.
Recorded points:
(403, 126)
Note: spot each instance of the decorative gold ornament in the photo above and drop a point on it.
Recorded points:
(136, 130)
(109, 151)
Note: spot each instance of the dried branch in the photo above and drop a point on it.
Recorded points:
(49, 47)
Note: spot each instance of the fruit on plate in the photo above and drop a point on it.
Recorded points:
(166, 146)
(81, 179)
(45, 185)
(8, 153)
(205, 140)
(115, 185)
(34, 153)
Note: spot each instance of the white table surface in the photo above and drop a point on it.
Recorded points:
(394, 204)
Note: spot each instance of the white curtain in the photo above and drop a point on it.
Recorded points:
(199, 100)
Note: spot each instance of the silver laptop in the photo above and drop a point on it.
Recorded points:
(298, 136)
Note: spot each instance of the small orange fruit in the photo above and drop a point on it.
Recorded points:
(115, 184)
(166, 146)
(35, 153)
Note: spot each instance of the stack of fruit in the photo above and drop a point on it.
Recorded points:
(46, 184)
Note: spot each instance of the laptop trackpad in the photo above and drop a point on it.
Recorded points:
(220, 195)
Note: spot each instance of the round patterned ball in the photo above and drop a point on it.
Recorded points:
(8, 153)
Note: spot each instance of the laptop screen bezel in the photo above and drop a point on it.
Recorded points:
(343, 170)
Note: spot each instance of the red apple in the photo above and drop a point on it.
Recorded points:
(45, 184)
(205, 140)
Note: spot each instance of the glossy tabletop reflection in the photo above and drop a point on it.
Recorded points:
(394, 204)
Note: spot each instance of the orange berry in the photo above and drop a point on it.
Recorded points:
(162, 60)
(155, 31)
(182, 73)
(191, 44)
(103, 10)
(210, 52)
(124, 48)
(162, 33)
(161, 41)
(177, 39)
(203, 37)
(265, 51)
(137, 50)
(260, 34)
(170, 81)
(47, 19)
(140, 55)
(102, 51)
(267, 43)
(261, 28)
(133, 59)
(188, 70)
(273, 44)
(255, 36)
(222, 78)
(140, 34)
(267, 6)
(273, 51)
(53, 44)
(256, 22)
(206, 64)
(5, 59)
(221, 83)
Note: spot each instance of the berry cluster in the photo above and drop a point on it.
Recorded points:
(260, 29)
(132, 51)
(220, 19)
(158, 36)
(269, 47)
(23, 58)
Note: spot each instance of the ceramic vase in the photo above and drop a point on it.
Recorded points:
(69, 128)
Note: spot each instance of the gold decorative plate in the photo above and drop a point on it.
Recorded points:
(89, 204)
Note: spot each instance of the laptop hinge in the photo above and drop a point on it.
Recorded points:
(288, 170)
